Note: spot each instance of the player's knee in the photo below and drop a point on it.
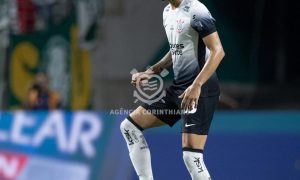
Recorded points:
(133, 134)
(124, 125)
(185, 157)
(128, 124)
(193, 141)
(190, 153)
(130, 130)
(127, 128)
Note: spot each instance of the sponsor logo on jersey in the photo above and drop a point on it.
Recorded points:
(197, 23)
(176, 49)
(177, 46)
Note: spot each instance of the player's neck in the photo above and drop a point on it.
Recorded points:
(175, 3)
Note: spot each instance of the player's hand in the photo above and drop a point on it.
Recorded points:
(141, 77)
(190, 97)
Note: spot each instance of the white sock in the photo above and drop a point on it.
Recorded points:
(138, 149)
(193, 160)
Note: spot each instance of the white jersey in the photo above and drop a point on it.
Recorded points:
(185, 27)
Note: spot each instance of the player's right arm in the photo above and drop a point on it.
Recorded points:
(164, 63)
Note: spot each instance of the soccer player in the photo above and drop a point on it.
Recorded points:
(195, 53)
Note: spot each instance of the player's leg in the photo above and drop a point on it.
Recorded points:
(193, 146)
(194, 141)
(145, 119)
(132, 130)
(195, 130)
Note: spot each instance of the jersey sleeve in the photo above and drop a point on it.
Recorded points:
(202, 21)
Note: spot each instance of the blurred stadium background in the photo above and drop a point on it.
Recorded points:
(87, 48)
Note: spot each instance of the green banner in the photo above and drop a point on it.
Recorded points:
(57, 53)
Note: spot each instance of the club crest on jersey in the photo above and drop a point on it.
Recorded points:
(180, 23)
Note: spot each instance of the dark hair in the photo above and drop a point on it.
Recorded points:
(37, 87)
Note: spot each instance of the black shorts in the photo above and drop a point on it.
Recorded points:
(168, 110)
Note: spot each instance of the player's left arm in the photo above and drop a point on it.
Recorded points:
(192, 93)
(217, 53)
(204, 24)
